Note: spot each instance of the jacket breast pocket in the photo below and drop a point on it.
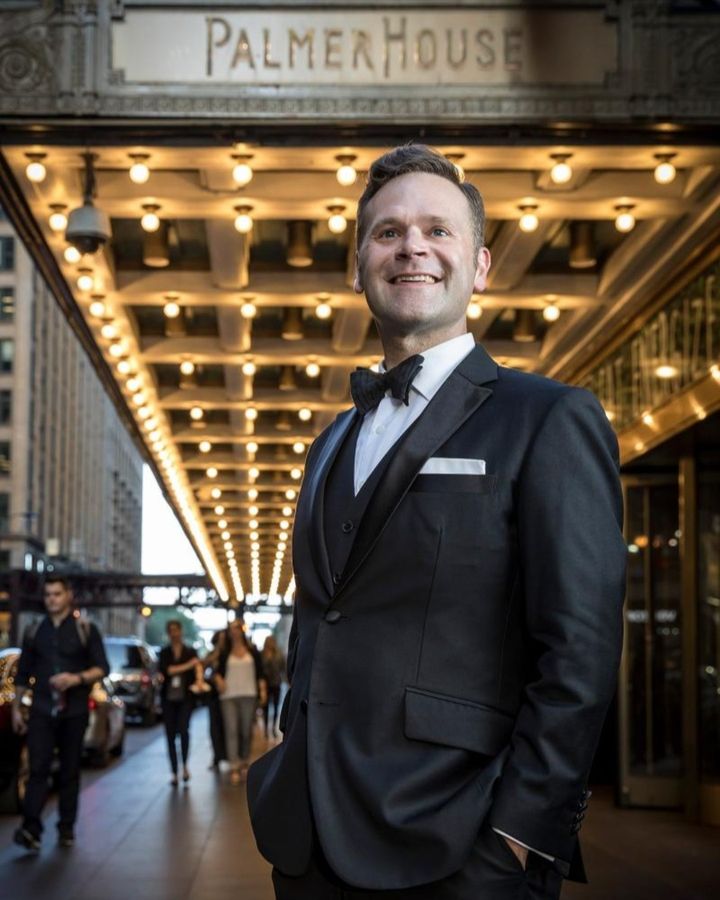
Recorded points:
(455, 722)
(455, 484)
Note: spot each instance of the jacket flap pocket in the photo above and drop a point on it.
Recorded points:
(455, 722)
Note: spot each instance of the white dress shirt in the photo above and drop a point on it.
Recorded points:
(390, 419)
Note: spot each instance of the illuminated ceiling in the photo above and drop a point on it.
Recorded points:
(264, 372)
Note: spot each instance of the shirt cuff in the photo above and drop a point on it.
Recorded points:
(532, 849)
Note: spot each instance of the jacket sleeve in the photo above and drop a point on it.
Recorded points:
(572, 557)
(96, 650)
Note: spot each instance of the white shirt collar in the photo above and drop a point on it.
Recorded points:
(438, 363)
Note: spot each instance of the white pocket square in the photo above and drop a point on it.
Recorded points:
(445, 465)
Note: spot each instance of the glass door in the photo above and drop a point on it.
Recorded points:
(650, 693)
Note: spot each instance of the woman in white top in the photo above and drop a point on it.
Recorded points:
(241, 686)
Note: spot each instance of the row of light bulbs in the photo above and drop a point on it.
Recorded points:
(197, 413)
(164, 451)
(529, 220)
(248, 310)
(561, 171)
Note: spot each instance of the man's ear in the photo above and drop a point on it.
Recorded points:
(357, 282)
(481, 270)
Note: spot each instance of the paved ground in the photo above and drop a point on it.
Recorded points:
(138, 839)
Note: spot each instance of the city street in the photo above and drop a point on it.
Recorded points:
(139, 838)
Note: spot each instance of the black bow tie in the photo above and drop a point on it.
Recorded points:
(368, 388)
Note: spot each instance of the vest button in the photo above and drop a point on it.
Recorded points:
(332, 616)
(347, 527)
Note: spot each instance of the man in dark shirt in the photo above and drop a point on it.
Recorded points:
(64, 656)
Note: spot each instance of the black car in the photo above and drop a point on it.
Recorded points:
(134, 672)
(14, 766)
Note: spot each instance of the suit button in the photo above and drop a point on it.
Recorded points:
(347, 527)
(304, 705)
(332, 616)
(336, 578)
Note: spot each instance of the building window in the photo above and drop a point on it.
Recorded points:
(5, 407)
(4, 512)
(4, 457)
(7, 304)
(6, 356)
(7, 254)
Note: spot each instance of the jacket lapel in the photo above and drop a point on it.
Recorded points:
(461, 394)
(315, 487)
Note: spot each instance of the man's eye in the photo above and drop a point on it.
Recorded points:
(439, 231)
(388, 233)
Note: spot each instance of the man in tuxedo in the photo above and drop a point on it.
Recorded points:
(460, 567)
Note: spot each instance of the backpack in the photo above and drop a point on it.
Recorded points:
(82, 624)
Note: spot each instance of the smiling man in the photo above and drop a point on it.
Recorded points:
(460, 576)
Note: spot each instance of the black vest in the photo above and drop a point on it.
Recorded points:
(343, 511)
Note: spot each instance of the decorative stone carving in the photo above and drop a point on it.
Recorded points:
(25, 56)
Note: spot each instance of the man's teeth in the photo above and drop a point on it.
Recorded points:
(427, 279)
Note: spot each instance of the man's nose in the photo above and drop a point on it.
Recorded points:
(413, 243)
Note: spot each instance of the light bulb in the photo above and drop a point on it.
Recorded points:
(133, 384)
(243, 220)
(139, 399)
(139, 172)
(551, 313)
(305, 414)
(253, 510)
(248, 310)
(117, 350)
(35, 170)
(474, 310)
(284, 525)
(255, 546)
(253, 524)
(204, 446)
(312, 370)
(625, 220)
(196, 413)
(296, 474)
(251, 414)
(97, 309)
(253, 472)
(253, 494)
(212, 472)
(85, 281)
(216, 493)
(287, 510)
(251, 447)
(108, 331)
(665, 171)
(72, 255)
(290, 494)
(561, 172)
(299, 447)
(151, 424)
(528, 220)
(242, 172)
(187, 367)
(222, 523)
(346, 173)
(150, 220)
(219, 510)
(323, 310)
(254, 535)
(171, 310)
(57, 220)
(337, 223)
(249, 368)
(144, 412)
(124, 367)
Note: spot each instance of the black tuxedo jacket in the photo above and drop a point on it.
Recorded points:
(460, 670)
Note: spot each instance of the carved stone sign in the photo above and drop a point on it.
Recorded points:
(369, 47)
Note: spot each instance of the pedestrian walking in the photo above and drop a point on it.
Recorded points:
(217, 728)
(273, 664)
(177, 666)
(63, 656)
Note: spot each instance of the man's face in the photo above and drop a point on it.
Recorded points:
(174, 632)
(417, 264)
(57, 599)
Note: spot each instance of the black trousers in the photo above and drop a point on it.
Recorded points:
(217, 728)
(273, 696)
(45, 734)
(176, 716)
(492, 872)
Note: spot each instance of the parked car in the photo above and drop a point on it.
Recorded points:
(104, 735)
(134, 672)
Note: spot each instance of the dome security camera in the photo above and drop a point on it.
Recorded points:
(88, 228)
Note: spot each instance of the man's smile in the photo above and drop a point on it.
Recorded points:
(414, 278)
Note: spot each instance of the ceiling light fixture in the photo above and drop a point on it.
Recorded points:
(528, 220)
(243, 220)
(57, 219)
(337, 223)
(346, 173)
(249, 368)
(187, 367)
(85, 281)
(171, 310)
(624, 219)
(323, 310)
(35, 169)
(248, 310)
(139, 172)
(665, 171)
(150, 220)
(97, 308)
(196, 413)
(561, 172)
(72, 255)
(242, 172)
(305, 414)
(204, 446)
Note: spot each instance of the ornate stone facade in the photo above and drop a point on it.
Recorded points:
(56, 60)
